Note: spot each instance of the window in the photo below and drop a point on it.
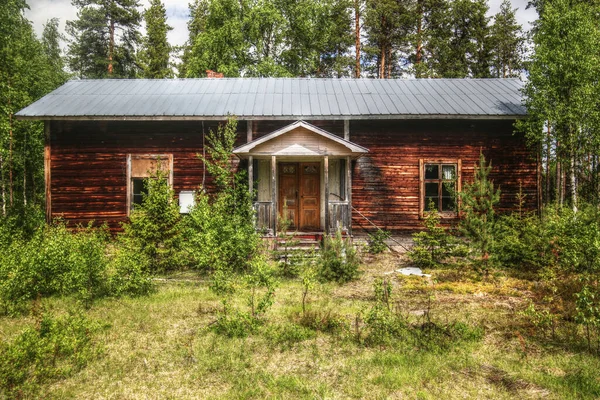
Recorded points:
(337, 179)
(440, 180)
(140, 167)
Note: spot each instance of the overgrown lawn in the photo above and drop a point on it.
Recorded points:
(162, 345)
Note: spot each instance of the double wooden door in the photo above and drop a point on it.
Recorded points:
(299, 194)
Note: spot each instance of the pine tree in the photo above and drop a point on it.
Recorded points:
(336, 60)
(196, 25)
(507, 43)
(388, 25)
(431, 39)
(156, 49)
(104, 39)
(51, 38)
(478, 200)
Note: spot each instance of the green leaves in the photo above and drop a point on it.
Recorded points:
(104, 38)
(269, 38)
(156, 50)
(478, 200)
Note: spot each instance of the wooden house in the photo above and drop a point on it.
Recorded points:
(345, 154)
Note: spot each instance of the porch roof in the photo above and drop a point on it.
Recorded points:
(300, 139)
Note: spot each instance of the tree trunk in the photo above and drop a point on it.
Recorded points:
(357, 37)
(388, 72)
(381, 63)
(559, 196)
(547, 191)
(419, 49)
(382, 54)
(111, 46)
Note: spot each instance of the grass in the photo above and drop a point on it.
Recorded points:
(161, 346)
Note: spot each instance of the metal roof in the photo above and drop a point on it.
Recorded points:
(280, 98)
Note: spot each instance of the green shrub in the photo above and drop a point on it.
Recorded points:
(588, 310)
(376, 241)
(522, 243)
(434, 245)
(260, 285)
(323, 321)
(478, 200)
(54, 262)
(220, 234)
(288, 334)
(338, 260)
(130, 275)
(219, 229)
(53, 349)
(154, 226)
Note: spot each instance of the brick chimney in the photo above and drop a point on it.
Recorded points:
(213, 74)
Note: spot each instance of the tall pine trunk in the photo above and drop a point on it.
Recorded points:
(111, 46)
(419, 49)
(357, 37)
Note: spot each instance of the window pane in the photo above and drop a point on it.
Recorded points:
(448, 172)
(431, 189)
(431, 203)
(432, 171)
(448, 204)
(448, 189)
(139, 189)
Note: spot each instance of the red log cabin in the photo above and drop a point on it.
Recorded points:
(339, 153)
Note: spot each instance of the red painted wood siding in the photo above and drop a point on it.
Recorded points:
(88, 163)
(385, 185)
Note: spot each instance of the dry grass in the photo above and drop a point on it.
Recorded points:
(160, 347)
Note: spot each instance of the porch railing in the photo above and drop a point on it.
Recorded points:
(264, 216)
(339, 216)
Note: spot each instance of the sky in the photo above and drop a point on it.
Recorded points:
(178, 14)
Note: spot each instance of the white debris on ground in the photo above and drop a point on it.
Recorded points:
(412, 271)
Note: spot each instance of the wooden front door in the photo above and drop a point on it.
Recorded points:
(299, 191)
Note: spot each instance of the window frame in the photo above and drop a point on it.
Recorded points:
(153, 156)
(445, 161)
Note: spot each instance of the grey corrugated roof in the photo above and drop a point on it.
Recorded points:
(280, 98)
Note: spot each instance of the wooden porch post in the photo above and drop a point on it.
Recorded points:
(250, 174)
(274, 193)
(250, 159)
(326, 177)
(347, 129)
(349, 193)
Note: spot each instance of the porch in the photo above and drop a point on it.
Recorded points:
(303, 173)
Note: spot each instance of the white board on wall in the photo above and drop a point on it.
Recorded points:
(186, 201)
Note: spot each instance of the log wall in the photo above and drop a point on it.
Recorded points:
(89, 164)
(89, 168)
(385, 185)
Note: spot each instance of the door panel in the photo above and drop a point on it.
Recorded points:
(288, 192)
(310, 207)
